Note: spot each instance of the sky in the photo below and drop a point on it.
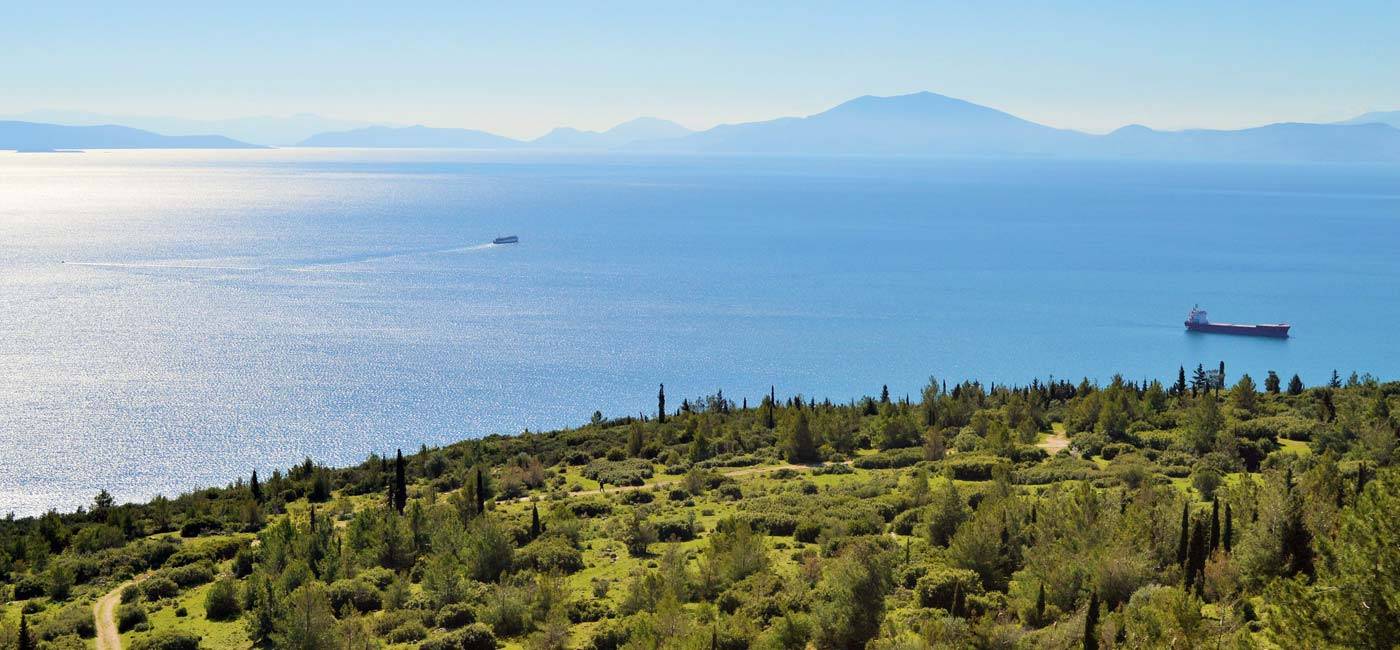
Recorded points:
(521, 68)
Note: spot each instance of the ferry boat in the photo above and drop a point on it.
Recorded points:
(1196, 321)
(508, 239)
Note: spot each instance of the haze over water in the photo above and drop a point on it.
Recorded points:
(174, 319)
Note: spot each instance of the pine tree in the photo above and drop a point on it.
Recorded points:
(798, 444)
(25, 640)
(885, 394)
(1220, 379)
(255, 488)
(661, 405)
(1091, 623)
(1335, 381)
(534, 521)
(1229, 529)
(1214, 524)
(1271, 383)
(1181, 545)
(400, 495)
(1295, 386)
(1179, 388)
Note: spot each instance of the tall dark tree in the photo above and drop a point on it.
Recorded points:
(1040, 605)
(1179, 388)
(1296, 538)
(1220, 379)
(885, 394)
(1215, 523)
(255, 488)
(772, 403)
(25, 639)
(480, 492)
(1091, 623)
(1295, 386)
(1225, 537)
(1196, 559)
(1271, 383)
(400, 483)
(798, 444)
(1181, 546)
(661, 404)
(534, 521)
(1335, 381)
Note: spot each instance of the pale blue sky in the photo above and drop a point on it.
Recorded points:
(520, 68)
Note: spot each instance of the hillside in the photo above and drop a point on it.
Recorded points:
(1189, 516)
(410, 137)
(630, 133)
(35, 136)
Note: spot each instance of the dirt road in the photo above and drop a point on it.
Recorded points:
(104, 613)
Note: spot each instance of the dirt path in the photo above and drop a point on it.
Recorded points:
(1053, 443)
(104, 612)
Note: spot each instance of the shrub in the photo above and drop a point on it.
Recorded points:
(943, 586)
(972, 467)
(130, 594)
(129, 616)
(191, 574)
(631, 471)
(455, 615)
(30, 586)
(409, 632)
(201, 526)
(550, 553)
(674, 528)
(1060, 468)
(74, 619)
(221, 602)
(472, 637)
(890, 459)
(833, 468)
(638, 497)
(1113, 450)
(359, 595)
(157, 587)
(168, 640)
(590, 508)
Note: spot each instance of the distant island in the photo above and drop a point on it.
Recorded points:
(1045, 515)
(917, 124)
(34, 136)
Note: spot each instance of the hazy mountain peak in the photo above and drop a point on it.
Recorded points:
(641, 129)
(1391, 118)
(37, 136)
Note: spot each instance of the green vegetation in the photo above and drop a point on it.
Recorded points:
(1051, 515)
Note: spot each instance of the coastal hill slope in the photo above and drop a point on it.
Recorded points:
(1376, 117)
(1284, 142)
(35, 136)
(262, 129)
(642, 129)
(417, 136)
(919, 123)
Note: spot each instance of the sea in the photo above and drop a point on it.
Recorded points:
(177, 319)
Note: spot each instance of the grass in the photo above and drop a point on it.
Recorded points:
(216, 635)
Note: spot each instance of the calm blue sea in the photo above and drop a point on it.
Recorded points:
(176, 319)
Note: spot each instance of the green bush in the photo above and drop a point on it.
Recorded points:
(945, 587)
(168, 640)
(472, 637)
(454, 615)
(891, 458)
(358, 594)
(129, 616)
(550, 553)
(972, 467)
(221, 601)
(409, 632)
(190, 575)
(632, 471)
(130, 594)
(157, 587)
(73, 619)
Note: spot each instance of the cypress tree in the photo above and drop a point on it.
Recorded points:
(885, 394)
(534, 521)
(1229, 529)
(1360, 480)
(255, 488)
(772, 402)
(661, 405)
(1214, 524)
(1091, 623)
(1196, 559)
(1185, 532)
(400, 495)
(25, 640)
(1040, 605)
(480, 492)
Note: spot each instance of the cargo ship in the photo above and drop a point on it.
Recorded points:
(1196, 321)
(508, 239)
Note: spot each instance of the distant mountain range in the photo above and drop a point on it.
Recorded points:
(268, 130)
(32, 136)
(919, 124)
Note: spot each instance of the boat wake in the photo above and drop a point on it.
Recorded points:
(322, 265)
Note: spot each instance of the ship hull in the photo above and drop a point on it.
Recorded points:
(1271, 331)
